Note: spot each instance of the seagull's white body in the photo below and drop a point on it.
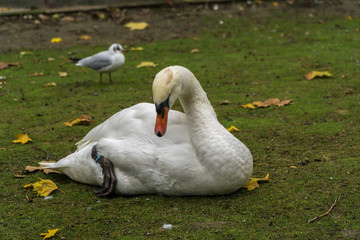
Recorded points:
(106, 61)
(196, 156)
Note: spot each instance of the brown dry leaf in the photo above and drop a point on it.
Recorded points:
(225, 102)
(313, 74)
(81, 120)
(40, 168)
(22, 138)
(284, 102)
(19, 176)
(4, 65)
(36, 74)
(253, 182)
(50, 84)
(267, 103)
(43, 17)
(342, 111)
(67, 19)
(195, 50)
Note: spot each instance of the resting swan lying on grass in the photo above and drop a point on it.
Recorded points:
(196, 156)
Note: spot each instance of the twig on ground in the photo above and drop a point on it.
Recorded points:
(328, 211)
(27, 196)
(47, 153)
(3, 93)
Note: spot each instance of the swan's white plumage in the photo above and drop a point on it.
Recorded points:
(196, 156)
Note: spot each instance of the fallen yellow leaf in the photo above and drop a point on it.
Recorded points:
(43, 188)
(101, 16)
(23, 53)
(22, 138)
(137, 49)
(232, 129)
(313, 74)
(63, 74)
(56, 40)
(50, 84)
(55, 16)
(136, 25)
(253, 182)
(249, 105)
(146, 64)
(49, 234)
(83, 120)
(85, 37)
(275, 4)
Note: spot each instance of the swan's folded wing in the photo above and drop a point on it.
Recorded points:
(137, 120)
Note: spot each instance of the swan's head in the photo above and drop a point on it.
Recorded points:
(114, 48)
(167, 86)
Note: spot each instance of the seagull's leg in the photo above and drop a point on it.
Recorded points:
(111, 82)
(108, 187)
(101, 83)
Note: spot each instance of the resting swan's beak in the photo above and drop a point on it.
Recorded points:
(162, 110)
(161, 121)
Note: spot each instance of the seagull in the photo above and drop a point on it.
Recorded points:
(106, 61)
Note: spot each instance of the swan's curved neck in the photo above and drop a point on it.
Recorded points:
(195, 102)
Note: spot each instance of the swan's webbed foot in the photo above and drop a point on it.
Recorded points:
(108, 187)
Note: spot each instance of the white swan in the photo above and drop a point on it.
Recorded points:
(196, 156)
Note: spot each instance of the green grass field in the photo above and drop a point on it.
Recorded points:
(245, 59)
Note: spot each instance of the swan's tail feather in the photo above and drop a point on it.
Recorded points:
(59, 165)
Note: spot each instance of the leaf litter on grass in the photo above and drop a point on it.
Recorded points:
(22, 138)
(43, 188)
(267, 103)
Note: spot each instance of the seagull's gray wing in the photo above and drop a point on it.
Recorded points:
(97, 62)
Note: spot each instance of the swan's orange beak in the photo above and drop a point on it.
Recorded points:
(161, 122)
